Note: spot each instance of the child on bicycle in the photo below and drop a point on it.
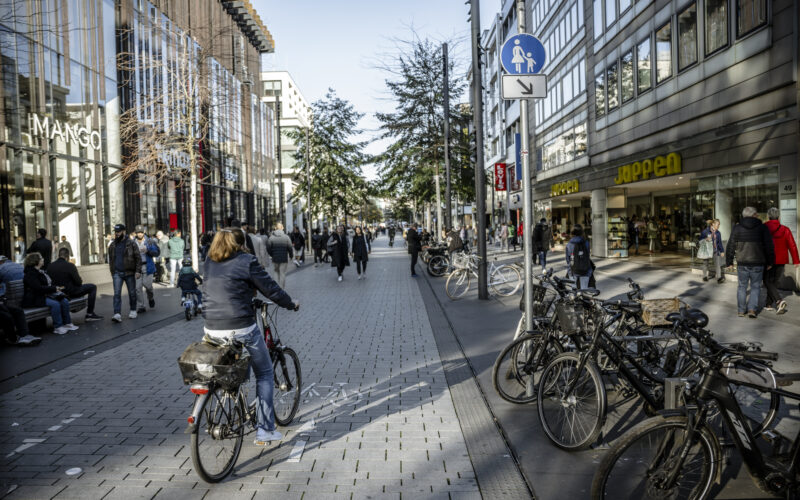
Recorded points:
(188, 281)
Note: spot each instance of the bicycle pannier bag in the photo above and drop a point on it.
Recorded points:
(580, 262)
(202, 362)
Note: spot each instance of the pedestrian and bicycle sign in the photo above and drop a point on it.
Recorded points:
(523, 56)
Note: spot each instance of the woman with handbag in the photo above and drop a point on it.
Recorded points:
(710, 249)
(40, 292)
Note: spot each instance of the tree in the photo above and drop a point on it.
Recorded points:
(416, 127)
(335, 159)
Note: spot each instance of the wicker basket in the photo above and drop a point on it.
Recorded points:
(655, 311)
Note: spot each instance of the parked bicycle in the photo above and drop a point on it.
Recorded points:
(220, 415)
(504, 280)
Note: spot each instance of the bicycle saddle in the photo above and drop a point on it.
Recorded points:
(692, 317)
(589, 292)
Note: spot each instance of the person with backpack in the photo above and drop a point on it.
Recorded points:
(316, 245)
(542, 242)
(579, 262)
(785, 246)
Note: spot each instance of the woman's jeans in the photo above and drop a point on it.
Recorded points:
(754, 275)
(59, 310)
(543, 258)
(717, 267)
(261, 363)
(361, 265)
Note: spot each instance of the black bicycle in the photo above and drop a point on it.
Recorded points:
(221, 416)
(677, 455)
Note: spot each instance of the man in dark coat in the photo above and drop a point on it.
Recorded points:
(43, 246)
(414, 247)
(752, 246)
(542, 242)
(125, 264)
(338, 247)
(65, 274)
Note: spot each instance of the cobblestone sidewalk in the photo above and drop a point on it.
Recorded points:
(376, 418)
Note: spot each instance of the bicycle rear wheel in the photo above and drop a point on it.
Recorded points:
(505, 281)
(638, 464)
(516, 371)
(288, 383)
(437, 266)
(457, 284)
(572, 420)
(217, 439)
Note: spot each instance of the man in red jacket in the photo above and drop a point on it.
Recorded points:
(784, 245)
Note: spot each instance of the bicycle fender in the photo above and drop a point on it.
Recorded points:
(191, 428)
(672, 412)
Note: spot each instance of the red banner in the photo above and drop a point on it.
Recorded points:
(500, 176)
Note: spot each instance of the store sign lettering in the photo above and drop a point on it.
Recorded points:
(645, 169)
(77, 134)
(566, 187)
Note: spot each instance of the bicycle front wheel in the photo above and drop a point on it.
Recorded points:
(288, 383)
(457, 284)
(572, 403)
(641, 462)
(217, 439)
(505, 281)
(437, 266)
(516, 371)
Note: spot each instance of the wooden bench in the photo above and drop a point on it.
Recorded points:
(15, 291)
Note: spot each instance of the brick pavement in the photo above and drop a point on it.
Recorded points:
(376, 419)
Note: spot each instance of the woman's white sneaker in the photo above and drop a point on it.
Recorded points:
(61, 330)
(70, 327)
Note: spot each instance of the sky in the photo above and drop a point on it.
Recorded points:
(341, 44)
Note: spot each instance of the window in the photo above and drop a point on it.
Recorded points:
(598, 18)
(716, 25)
(663, 53)
(626, 77)
(687, 36)
(750, 14)
(568, 95)
(611, 86)
(611, 12)
(643, 67)
(599, 95)
(624, 5)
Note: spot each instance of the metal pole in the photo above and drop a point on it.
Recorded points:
(308, 195)
(448, 223)
(438, 206)
(480, 174)
(527, 213)
(282, 206)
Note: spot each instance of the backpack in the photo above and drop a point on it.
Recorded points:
(580, 262)
(538, 235)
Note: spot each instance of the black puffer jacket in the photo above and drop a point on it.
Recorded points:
(228, 291)
(750, 243)
(131, 260)
(361, 248)
(37, 288)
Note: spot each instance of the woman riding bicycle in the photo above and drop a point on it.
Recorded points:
(231, 277)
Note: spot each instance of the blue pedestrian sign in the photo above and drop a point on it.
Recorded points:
(522, 54)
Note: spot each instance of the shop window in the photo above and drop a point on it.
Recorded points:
(626, 76)
(750, 15)
(598, 17)
(663, 53)
(612, 76)
(599, 95)
(644, 78)
(687, 37)
(716, 25)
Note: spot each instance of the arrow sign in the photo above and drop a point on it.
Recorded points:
(524, 86)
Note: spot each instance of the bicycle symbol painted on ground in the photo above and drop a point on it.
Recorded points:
(336, 394)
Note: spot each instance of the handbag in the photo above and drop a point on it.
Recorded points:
(57, 296)
(706, 249)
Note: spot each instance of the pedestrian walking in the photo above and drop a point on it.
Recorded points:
(784, 244)
(503, 231)
(652, 235)
(317, 244)
(280, 249)
(360, 252)
(299, 245)
(163, 257)
(414, 247)
(124, 263)
(752, 247)
(65, 274)
(324, 244)
(338, 247)
(512, 235)
(41, 292)
(579, 262)
(43, 247)
(520, 239)
(711, 251)
(148, 250)
(542, 241)
(231, 279)
(176, 247)
(633, 234)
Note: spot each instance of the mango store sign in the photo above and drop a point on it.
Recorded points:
(75, 133)
(646, 169)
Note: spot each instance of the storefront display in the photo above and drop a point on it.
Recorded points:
(617, 234)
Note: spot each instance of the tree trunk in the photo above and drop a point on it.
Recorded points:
(193, 214)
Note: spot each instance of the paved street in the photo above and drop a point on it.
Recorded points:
(377, 419)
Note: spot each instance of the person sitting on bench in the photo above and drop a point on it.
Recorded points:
(64, 273)
(40, 292)
(12, 318)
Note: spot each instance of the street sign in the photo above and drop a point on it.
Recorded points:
(524, 86)
(522, 54)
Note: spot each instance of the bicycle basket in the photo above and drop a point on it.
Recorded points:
(543, 299)
(460, 260)
(655, 311)
(224, 365)
(570, 318)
